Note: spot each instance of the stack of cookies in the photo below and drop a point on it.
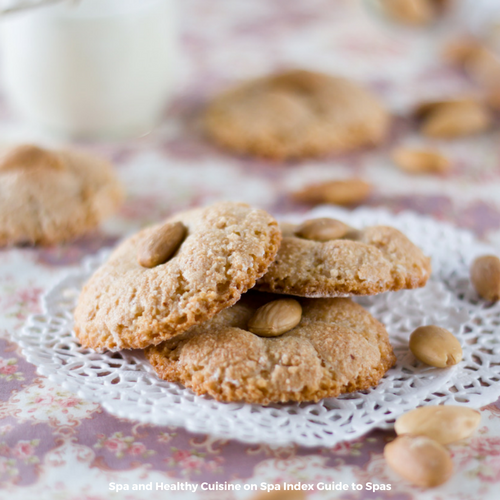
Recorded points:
(229, 304)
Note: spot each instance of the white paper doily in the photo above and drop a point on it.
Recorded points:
(125, 385)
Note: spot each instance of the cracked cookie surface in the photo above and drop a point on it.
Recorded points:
(296, 114)
(367, 262)
(124, 305)
(337, 347)
(47, 197)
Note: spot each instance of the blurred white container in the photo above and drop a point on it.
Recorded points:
(93, 68)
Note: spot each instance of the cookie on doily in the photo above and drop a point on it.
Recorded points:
(142, 296)
(296, 114)
(336, 347)
(47, 197)
(326, 258)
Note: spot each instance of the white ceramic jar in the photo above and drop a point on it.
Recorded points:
(93, 68)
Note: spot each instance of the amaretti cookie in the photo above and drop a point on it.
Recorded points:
(174, 275)
(47, 197)
(326, 258)
(336, 347)
(296, 114)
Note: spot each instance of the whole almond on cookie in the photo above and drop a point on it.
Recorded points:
(420, 161)
(28, 156)
(419, 459)
(341, 192)
(435, 346)
(450, 119)
(443, 423)
(337, 347)
(227, 248)
(485, 276)
(161, 245)
(275, 318)
(322, 229)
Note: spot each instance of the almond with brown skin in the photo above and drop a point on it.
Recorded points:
(341, 192)
(435, 346)
(485, 276)
(419, 459)
(322, 229)
(159, 246)
(28, 156)
(424, 109)
(417, 161)
(447, 120)
(275, 318)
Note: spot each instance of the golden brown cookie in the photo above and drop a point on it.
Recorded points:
(296, 114)
(337, 347)
(48, 197)
(374, 260)
(227, 246)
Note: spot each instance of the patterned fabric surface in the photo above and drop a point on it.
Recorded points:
(55, 445)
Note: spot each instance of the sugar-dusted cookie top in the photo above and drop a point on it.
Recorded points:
(51, 196)
(296, 114)
(336, 347)
(326, 258)
(171, 276)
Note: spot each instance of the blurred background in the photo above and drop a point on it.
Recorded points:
(130, 79)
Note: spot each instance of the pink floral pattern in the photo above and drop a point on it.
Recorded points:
(25, 450)
(120, 446)
(53, 444)
(193, 462)
(9, 370)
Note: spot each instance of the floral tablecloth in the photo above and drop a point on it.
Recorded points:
(55, 445)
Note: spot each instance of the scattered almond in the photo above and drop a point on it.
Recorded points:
(345, 192)
(444, 424)
(275, 318)
(457, 118)
(457, 52)
(478, 61)
(420, 161)
(485, 277)
(161, 244)
(412, 12)
(424, 109)
(322, 229)
(419, 459)
(29, 156)
(435, 346)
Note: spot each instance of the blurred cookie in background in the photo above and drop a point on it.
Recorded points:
(296, 114)
(49, 196)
